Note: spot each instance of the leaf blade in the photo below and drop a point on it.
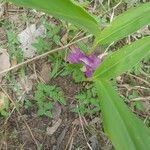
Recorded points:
(124, 129)
(125, 24)
(64, 9)
(123, 59)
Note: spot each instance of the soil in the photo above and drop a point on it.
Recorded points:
(15, 133)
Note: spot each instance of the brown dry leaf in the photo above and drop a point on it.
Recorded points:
(1, 10)
(94, 143)
(13, 62)
(4, 61)
(146, 105)
(2, 36)
(46, 68)
(2, 100)
(56, 111)
(26, 84)
(61, 138)
(15, 14)
(95, 120)
(51, 130)
(76, 122)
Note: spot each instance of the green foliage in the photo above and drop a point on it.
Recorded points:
(124, 129)
(45, 96)
(88, 102)
(123, 59)
(83, 47)
(142, 67)
(136, 104)
(41, 45)
(27, 104)
(53, 33)
(75, 71)
(56, 61)
(13, 46)
(64, 9)
(125, 24)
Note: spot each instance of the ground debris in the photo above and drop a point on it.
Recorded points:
(4, 61)
(27, 37)
(94, 143)
(56, 111)
(55, 126)
(46, 68)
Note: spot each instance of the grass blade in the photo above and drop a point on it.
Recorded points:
(64, 9)
(125, 130)
(123, 59)
(125, 24)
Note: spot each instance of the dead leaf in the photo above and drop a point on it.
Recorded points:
(46, 68)
(26, 84)
(13, 62)
(2, 36)
(94, 143)
(2, 101)
(146, 105)
(28, 36)
(76, 122)
(51, 130)
(61, 138)
(95, 120)
(56, 111)
(4, 61)
(1, 10)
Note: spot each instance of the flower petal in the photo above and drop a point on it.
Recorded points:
(89, 71)
(75, 55)
(95, 61)
(92, 60)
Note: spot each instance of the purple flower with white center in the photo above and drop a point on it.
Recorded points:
(90, 62)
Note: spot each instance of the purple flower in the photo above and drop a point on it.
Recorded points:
(75, 55)
(90, 62)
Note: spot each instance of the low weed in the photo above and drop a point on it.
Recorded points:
(88, 102)
(45, 97)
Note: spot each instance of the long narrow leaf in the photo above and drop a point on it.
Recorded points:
(123, 59)
(125, 24)
(64, 9)
(125, 130)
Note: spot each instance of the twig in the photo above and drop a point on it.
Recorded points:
(20, 115)
(44, 55)
(94, 7)
(140, 99)
(139, 79)
(113, 12)
(84, 131)
(12, 111)
(70, 138)
(71, 143)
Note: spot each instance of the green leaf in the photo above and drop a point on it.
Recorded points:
(125, 24)
(123, 59)
(64, 9)
(125, 130)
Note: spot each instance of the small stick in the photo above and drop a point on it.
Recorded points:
(44, 54)
(20, 115)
